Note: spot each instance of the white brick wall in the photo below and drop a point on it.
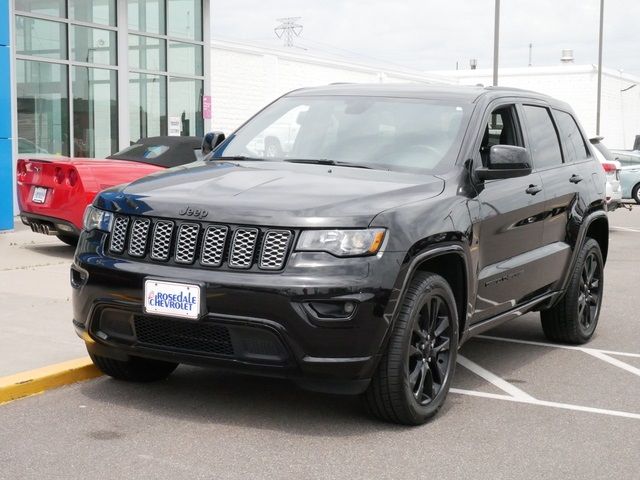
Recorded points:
(245, 78)
(577, 85)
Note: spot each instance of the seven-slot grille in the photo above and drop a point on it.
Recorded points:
(207, 244)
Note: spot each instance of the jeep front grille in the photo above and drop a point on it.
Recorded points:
(161, 245)
(213, 245)
(187, 242)
(119, 234)
(207, 244)
(139, 235)
(243, 247)
(276, 244)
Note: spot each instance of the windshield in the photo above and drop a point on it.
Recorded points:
(378, 132)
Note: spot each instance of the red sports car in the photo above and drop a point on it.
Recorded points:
(54, 192)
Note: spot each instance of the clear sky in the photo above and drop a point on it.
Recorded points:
(433, 35)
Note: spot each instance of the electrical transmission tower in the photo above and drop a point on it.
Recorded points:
(288, 29)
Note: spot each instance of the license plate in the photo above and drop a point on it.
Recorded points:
(172, 299)
(39, 195)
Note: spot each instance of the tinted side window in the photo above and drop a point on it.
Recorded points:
(543, 139)
(501, 129)
(575, 149)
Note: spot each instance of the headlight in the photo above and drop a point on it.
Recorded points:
(96, 219)
(342, 243)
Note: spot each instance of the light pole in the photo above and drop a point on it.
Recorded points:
(496, 41)
(598, 101)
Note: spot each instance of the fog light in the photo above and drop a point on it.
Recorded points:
(349, 307)
(64, 228)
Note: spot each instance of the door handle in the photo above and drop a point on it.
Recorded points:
(533, 189)
(575, 178)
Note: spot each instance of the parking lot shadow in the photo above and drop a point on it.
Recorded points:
(51, 251)
(210, 396)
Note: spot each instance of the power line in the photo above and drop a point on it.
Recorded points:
(288, 29)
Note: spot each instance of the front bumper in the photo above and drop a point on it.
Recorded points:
(262, 323)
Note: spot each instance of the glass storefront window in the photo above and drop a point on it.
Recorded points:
(43, 107)
(95, 112)
(185, 58)
(184, 19)
(147, 53)
(55, 8)
(146, 16)
(93, 45)
(41, 38)
(93, 11)
(185, 104)
(147, 106)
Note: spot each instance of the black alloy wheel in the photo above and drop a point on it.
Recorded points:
(573, 319)
(416, 370)
(590, 296)
(428, 356)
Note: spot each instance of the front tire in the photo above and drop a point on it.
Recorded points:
(415, 373)
(575, 317)
(136, 369)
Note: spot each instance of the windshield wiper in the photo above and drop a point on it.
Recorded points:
(326, 161)
(236, 158)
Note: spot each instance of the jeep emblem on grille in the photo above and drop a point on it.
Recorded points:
(193, 212)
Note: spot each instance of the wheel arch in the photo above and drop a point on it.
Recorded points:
(598, 229)
(449, 260)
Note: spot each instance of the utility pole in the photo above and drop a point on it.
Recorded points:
(599, 99)
(288, 29)
(530, 50)
(496, 41)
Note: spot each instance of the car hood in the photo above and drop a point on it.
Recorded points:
(270, 193)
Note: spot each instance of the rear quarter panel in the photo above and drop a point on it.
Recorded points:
(68, 202)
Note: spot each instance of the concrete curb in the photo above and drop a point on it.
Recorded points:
(46, 378)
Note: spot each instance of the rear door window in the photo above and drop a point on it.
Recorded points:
(544, 145)
(575, 148)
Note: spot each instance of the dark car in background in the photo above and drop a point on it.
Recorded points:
(399, 222)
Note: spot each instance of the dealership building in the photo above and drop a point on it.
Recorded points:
(86, 78)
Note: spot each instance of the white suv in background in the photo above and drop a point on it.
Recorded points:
(612, 168)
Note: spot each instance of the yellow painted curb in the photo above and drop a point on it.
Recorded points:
(39, 380)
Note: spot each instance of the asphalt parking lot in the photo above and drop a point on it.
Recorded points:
(520, 408)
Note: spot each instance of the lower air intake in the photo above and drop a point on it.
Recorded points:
(184, 336)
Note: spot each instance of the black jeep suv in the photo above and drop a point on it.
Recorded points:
(391, 224)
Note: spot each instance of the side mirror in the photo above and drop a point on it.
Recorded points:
(505, 161)
(211, 140)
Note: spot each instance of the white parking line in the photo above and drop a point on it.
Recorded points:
(625, 229)
(613, 361)
(543, 403)
(503, 385)
(553, 345)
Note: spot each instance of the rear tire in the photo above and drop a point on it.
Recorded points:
(136, 369)
(575, 317)
(415, 373)
(68, 239)
(635, 193)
